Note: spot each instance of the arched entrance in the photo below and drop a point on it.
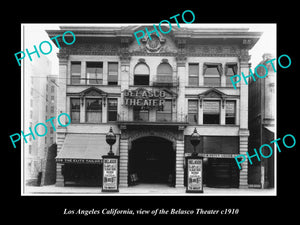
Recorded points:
(151, 160)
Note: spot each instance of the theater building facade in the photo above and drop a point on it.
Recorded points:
(153, 95)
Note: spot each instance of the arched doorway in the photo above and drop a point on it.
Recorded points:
(151, 160)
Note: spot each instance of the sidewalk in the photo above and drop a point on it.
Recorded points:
(143, 189)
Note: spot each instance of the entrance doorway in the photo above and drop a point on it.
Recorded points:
(152, 160)
(82, 174)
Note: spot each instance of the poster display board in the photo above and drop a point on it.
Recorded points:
(194, 174)
(110, 180)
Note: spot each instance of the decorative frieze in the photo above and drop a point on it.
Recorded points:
(181, 51)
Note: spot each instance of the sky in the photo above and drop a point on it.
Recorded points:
(35, 34)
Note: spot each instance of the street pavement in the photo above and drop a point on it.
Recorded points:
(143, 189)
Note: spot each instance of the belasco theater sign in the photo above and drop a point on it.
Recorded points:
(144, 98)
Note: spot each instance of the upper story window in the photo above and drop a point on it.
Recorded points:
(230, 70)
(193, 111)
(230, 112)
(75, 72)
(211, 112)
(165, 115)
(112, 109)
(212, 74)
(93, 110)
(164, 73)
(140, 114)
(141, 74)
(94, 72)
(112, 77)
(193, 74)
(75, 110)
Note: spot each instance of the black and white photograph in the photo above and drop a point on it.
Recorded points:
(161, 112)
(149, 96)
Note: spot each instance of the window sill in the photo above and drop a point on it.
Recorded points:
(210, 86)
(211, 125)
(86, 123)
(102, 85)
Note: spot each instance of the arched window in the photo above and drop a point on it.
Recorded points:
(164, 73)
(164, 69)
(141, 74)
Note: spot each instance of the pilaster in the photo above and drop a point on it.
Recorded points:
(244, 134)
(83, 73)
(244, 68)
(62, 89)
(179, 163)
(60, 138)
(123, 162)
(59, 176)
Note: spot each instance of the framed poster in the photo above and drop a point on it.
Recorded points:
(194, 174)
(110, 178)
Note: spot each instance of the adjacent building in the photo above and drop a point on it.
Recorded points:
(39, 105)
(153, 95)
(262, 114)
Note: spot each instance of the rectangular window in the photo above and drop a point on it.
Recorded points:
(212, 74)
(139, 114)
(94, 72)
(230, 70)
(112, 109)
(230, 112)
(165, 115)
(112, 78)
(93, 110)
(52, 109)
(141, 79)
(75, 110)
(211, 112)
(75, 72)
(193, 74)
(193, 111)
(52, 89)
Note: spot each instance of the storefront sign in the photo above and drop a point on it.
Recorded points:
(205, 155)
(87, 161)
(194, 175)
(110, 182)
(144, 98)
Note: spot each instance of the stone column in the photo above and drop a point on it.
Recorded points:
(124, 78)
(244, 132)
(61, 108)
(223, 75)
(223, 112)
(59, 176)
(83, 76)
(179, 163)
(123, 163)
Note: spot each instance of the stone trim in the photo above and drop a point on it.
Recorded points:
(123, 170)
(179, 164)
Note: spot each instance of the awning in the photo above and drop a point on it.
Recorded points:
(84, 148)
